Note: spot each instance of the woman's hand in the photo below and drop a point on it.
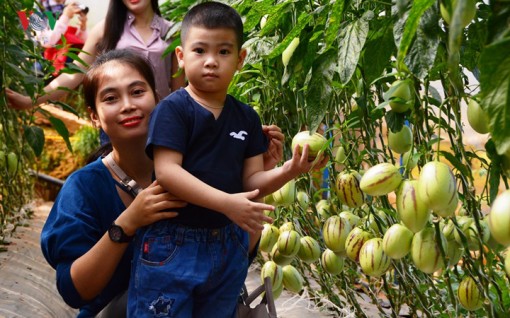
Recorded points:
(149, 206)
(274, 153)
(17, 101)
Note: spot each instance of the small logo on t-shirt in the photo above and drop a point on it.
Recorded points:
(239, 135)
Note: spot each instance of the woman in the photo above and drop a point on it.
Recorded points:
(87, 235)
(136, 25)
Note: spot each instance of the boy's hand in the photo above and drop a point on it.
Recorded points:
(274, 153)
(17, 101)
(249, 215)
(149, 206)
(299, 163)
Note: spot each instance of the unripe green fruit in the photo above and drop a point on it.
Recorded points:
(397, 241)
(507, 263)
(450, 209)
(372, 259)
(352, 218)
(454, 252)
(263, 21)
(470, 296)
(401, 141)
(309, 250)
(286, 195)
(499, 218)
(292, 279)
(409, 160)
(12, 163)
(287, 226)
(279, 258)
(278, 292)
(477, 117)
(340, 156)
(3, 159)
(468, 13)
(426, 252)
(470, 231)
(289, 243)
(377, 226)
(316, 142)
(302, 199)
(410, 209)
(331, 262)
(323, 208)
(400, 96)
(380, 179)
(289, 51)
(334, 233)
(436, 185)
(348, 189)
(274, 272)
(355, 240)
(269, 237)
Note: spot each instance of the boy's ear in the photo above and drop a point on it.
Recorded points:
(179, 54)
(242, 57)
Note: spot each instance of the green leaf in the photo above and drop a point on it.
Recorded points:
(394, 120)
(455, 33)
(495, 90)
(456, 163)
(61, 128)
(422, 54)
(35, 137)
(352, 41)
(495, 169)
(378, 49)
(65, 107)
(334, 21)
(71, 68)
(413, 20)
(256, 11)
(319, 94)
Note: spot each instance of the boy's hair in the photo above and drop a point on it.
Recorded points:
(213, 15)
(94, 75)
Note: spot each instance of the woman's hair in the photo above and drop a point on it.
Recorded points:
(94, 75)
(114, 24)
(213, 15)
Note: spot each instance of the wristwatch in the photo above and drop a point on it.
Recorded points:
(117, 234)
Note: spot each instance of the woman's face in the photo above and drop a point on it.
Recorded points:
(124, 101)
(138, 6)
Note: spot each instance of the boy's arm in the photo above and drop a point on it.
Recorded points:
(238, 207)
(269, 181)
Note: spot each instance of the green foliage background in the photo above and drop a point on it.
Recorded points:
(338, 80)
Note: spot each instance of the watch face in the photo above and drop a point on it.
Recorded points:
(115, 233)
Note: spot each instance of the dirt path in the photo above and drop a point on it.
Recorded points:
(27, 282)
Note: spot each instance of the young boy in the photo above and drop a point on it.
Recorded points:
(207, 149)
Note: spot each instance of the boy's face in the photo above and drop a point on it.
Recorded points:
(210, 58)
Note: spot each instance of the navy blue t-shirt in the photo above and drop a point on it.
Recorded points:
(214, 150)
